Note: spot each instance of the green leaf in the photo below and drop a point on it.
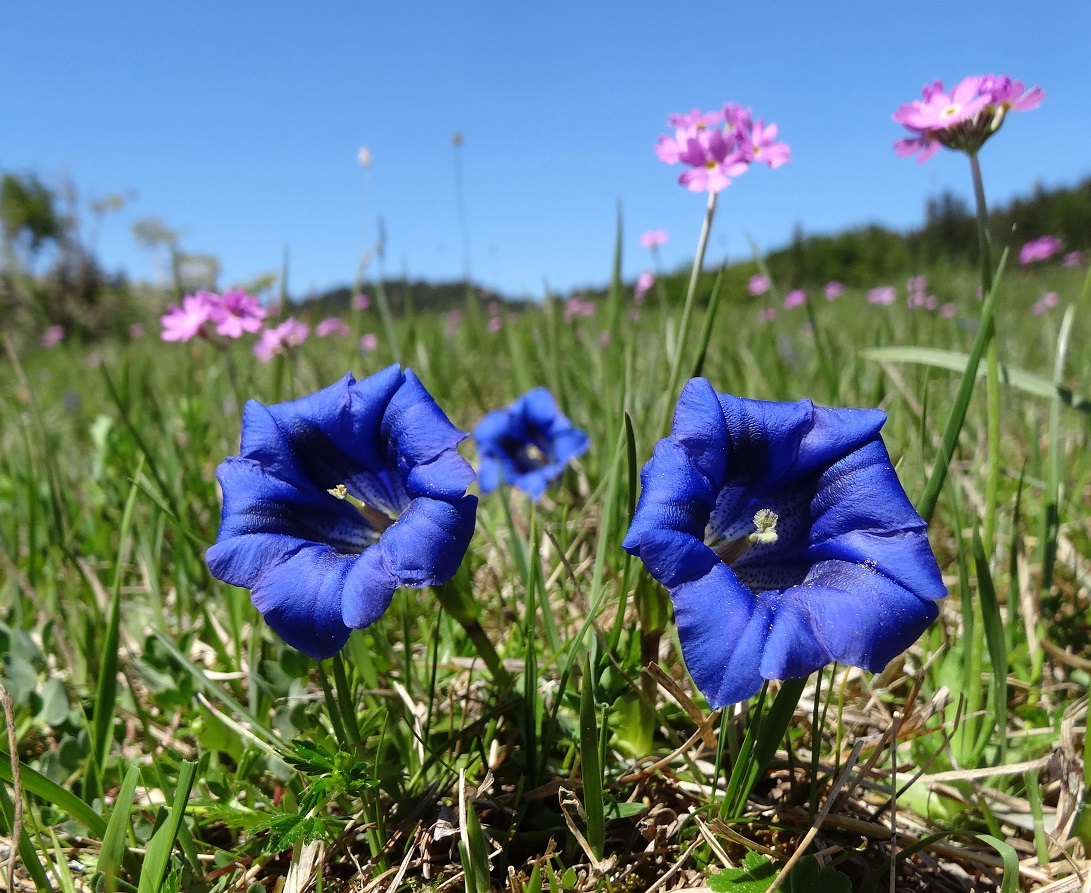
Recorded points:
(956, 361)
(756, 876)
(809, 877)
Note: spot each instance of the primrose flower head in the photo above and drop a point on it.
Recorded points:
(718, 146)
(653, 238)
(884, 295)
(52, 336)
(235, 312)
(834, 290)
(785, 539)
(282, 339)
(1042, 248)
(332, 325)
(964, 118)
(189, 320)
(796, 298)
(644, 283)
(337, 499)
(758, 284)
(527, 445)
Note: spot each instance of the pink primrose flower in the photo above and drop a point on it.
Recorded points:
(282, 339)
(1042, 248)
(361, 302)
(696, 119)
(795, 298)
(189, 320)
(947, 311)
(964, 118)
(52, 336)
(576, 306)
(495, 324)
(712, 160)
(235, 312)
(653, 238)
(762, 145)
(369, 342)
(451, 323)
(332, 325)
(1073, 259)
(1044, 303)
(758, 284)
(644, 283)
(883, 295)
(834, 290)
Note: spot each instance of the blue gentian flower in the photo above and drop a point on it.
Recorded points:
(526, 445)
(785, 539)
(337, 499)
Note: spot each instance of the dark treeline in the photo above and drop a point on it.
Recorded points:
(873, 254)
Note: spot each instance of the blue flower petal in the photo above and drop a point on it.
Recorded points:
(300, 598)
(426, 545)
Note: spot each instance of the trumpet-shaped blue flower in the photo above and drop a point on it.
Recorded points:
(785, 539)
(527, 445)
(337, 499)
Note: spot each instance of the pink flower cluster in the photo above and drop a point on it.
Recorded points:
(231, 313)
(916, 296)
(644, 283)
(654, 238)
(1042, 248)
(281, 339)
(758, 284)
(719, 145)
(1044, 303)
(577, 306)
(796, 298)
(332, 325)
(883, 295)
(834, 290)
(964, 118)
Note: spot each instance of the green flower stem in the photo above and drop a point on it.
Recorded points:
(992, 362)
(687, 312)
(457, 601)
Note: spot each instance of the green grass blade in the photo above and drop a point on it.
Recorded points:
(706, 328)
(157, 858)
(471, 845)
(113, 841)
(956, 361)
(102, 722)
(1050, 527)
(996, 642)
(591, 767)
(957, 416)
(27, 854)
(51, 792)
(1010, 881)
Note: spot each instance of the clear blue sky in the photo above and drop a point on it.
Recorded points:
(239, 123)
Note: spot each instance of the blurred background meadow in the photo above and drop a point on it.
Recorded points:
(472, 192)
